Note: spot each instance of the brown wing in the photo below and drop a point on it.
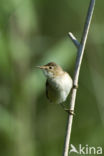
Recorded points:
(51, 93)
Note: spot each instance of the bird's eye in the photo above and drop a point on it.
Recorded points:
(50, 67)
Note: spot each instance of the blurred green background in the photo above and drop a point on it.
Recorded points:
(34, 32)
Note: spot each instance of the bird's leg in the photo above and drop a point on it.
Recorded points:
(71, 112)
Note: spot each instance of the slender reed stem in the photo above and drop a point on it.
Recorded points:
(81, 47)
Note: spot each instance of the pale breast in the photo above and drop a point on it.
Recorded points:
(59, 88)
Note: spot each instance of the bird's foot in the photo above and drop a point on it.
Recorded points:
(69, 111)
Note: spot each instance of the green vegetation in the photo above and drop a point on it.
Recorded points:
(34, 32)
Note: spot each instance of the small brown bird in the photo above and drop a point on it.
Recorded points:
(58, 83)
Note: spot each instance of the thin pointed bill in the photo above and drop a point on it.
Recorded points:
(41, 67)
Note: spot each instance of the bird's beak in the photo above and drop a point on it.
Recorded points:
(41, 67)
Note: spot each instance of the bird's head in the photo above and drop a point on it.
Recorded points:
(51, 70)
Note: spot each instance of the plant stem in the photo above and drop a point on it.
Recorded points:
(81, 47)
